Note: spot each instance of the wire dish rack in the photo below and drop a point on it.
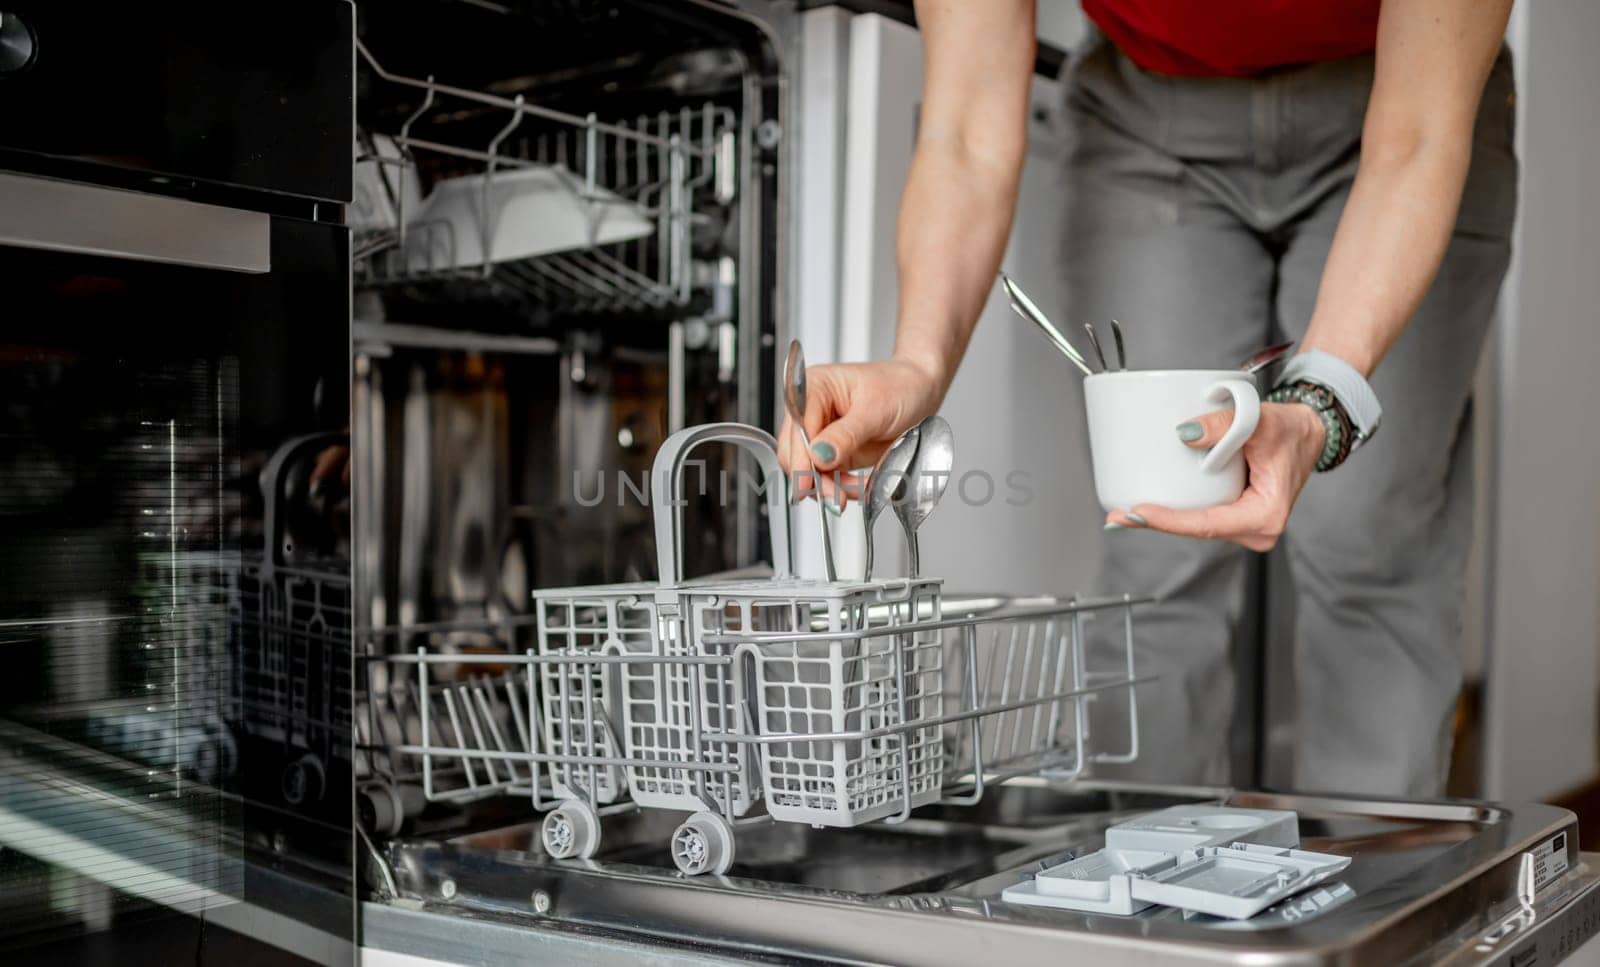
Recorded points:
(560, 210)
(828, 703)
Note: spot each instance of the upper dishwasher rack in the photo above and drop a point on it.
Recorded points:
(672, 173)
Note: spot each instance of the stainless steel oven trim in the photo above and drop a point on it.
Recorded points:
(66, 216)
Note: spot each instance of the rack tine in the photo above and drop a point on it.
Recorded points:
(591, 150)
(471, 710)
(491, 722)
(1063, 654)
(529, 727)
(686, 121)
(619, 162)
(403, 142)
(486, 214)
(727, 172)
(461, 740)
(679, 242)
(560, 273)
(572, 265)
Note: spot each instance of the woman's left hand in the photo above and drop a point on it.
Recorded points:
(1279, 458)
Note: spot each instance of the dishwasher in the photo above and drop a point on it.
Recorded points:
(552, 651)
(571, 748)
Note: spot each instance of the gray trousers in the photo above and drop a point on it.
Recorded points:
(1200, 213)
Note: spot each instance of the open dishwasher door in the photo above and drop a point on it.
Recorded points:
(1426, 883)
(1246, 878)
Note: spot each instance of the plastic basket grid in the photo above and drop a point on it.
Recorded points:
(576, 701)
(661, 718)
(846, 685)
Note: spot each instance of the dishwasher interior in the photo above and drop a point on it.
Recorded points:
(514, 375)
(496, 395)
(512, 390)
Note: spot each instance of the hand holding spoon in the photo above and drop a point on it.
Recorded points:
(794, 400)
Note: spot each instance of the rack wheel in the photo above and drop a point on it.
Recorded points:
(703, 844)
(378, 808)
(303, 781)
(572, 831)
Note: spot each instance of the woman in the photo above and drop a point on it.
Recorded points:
(1335, 172)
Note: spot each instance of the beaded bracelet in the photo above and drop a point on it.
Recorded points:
(1338, 434)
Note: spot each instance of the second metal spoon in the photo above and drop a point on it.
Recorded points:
(1025, 308)
(1263, 358)
(1094, 341)
(929, 476)
(887, 476)
(1122, 351)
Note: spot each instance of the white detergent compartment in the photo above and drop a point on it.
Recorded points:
(1239, 880)
(1099, 881)
(1225, 862)
(1191, 827)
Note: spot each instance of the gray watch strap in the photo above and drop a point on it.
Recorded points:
(1347, 386)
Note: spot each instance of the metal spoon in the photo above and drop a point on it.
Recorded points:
(1094, 340)
(1025, 308)
(928, 478)
(888, 476)
(1122, 351)
(794, 400)
(1263, 358)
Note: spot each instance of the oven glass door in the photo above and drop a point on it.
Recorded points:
(175, 679)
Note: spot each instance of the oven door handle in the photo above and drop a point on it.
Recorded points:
(67, 216)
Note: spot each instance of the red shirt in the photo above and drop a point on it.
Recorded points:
(1235, 37)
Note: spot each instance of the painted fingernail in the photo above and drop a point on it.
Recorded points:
(1112, 525)
(1135, 519)
(823, 451)
(1190, 431)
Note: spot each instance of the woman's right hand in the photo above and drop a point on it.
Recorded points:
(854, 411)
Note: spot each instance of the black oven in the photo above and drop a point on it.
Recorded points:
(175, 621)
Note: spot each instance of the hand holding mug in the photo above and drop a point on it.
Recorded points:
(1279, 458)
(1138, 459)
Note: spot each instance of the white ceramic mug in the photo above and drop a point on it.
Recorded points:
(1133, 435)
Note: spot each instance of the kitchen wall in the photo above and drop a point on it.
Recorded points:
(1060, 23)
(1543, 599)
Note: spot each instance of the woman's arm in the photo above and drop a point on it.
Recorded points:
(955, 215)
(1433, 58)
(961, 191)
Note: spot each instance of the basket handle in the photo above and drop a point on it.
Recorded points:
(666, 488)
(273, 478)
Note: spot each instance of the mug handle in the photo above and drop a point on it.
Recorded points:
(1246, 415)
